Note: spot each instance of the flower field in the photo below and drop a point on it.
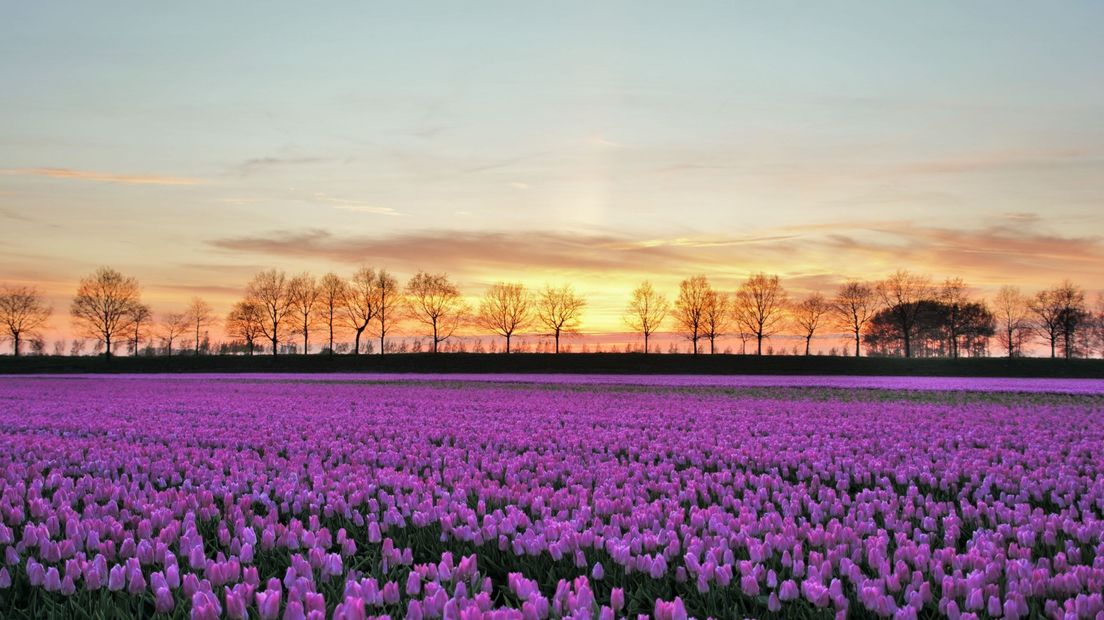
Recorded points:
(323, 497)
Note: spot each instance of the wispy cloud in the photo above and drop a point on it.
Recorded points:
(261, 164)
(353, 205)
(995, 160)
(103, 177)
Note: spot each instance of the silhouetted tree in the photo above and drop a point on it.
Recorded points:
(760, 307)
(389, 300)
(199, 315)
(505, 308)
(716, 317)
(436, 302)
(332, 290)
(1012, 319)
(954, 296)
(689, 310)
(102, 306)
(140, 317)
(647, 310)
(23, 309)
(1072, 315)
(1096, 327)
(808, 314)
(173, 325)
(245, 322)
(305, 299)
(853, 306)
(929, 330)
(268, 290)
(1058, 312)
(559, 311)
(361, 302)
(902, 293)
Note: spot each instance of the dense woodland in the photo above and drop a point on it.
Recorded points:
(904, 315)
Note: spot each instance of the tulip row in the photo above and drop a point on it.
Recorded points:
(307, 498)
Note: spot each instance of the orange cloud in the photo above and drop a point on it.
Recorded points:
(103, 177)
(816, 256)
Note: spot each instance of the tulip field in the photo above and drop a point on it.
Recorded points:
(312, 496)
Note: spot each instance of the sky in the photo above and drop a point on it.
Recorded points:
(597, 143)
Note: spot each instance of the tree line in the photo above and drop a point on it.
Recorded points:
(905, 314)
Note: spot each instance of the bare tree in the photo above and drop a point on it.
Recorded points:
(306, 297)
(102, 306)
(1058, 313)
(389, 299)
(23, 309)
(1072, 314)
(716, 317)
(853, 307)
(436, 302)
(647, 310)
(902, 293)
(332, 290)
(954, 294)
(268, 290)
(361, 302)
(199, 315)
(559, 311)
(505, 308)
(760, 307)
(140, 317)
(808, 315)
(1097, 326)
(245, 321)
(690, 305)
(173, 325)
(1012, 318)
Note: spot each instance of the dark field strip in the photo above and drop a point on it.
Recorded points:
(600, 363)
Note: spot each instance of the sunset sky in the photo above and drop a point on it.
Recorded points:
(597, 143)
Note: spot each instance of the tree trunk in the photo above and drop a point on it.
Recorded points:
(759, 343)
(507, 343)
(908, 344)
(858, 340)
(356, 342)
(712, 349)
(15, 344)
(1009, 344)
(645, 343)
(557, 341)
(808, 340)
(382, 335)
(107, 351)
(331, 335)
(694, 343)
(274, 339)
(435, 341)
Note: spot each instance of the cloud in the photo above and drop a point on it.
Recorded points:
(260, 164)
(103, 177)
(352, 205)
(817, 256)
(994, 160)
(529, 250)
